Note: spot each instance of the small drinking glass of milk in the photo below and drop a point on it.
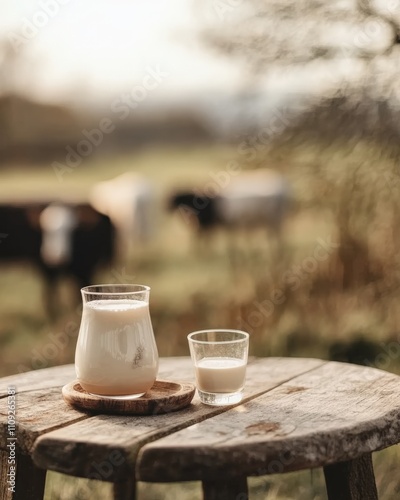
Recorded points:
(220, 360)
(116, 354)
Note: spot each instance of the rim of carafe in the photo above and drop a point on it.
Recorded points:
(131, 288)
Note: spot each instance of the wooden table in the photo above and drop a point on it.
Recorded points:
(296, 414)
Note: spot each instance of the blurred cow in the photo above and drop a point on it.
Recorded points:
(60, 239)
(258, 198)
(129, 201)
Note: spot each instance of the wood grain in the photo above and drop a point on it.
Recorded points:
(163, 397)
(334, 413)
(296, 414)
(57, 376)
(38, 379)
(37, 412)
(40, 407)
(80, 447)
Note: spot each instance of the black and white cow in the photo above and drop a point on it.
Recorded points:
(60, 239)
(258, 198)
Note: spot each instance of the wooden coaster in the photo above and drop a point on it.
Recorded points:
(163, 397)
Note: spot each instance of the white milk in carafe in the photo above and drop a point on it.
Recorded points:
(220, 375)
(116, 353)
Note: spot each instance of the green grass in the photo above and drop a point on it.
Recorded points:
(167, 167)
(216, 284)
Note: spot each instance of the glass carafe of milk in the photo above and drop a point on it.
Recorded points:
(116, 354)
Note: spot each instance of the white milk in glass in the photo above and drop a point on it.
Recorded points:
(220, 375)
(116, 353)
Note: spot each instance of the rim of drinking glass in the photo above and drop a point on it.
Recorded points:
(245, 336)
(129, 289)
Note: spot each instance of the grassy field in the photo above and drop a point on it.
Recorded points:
(220, 283)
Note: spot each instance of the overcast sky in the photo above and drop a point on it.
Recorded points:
(93, 51)
(107, 46)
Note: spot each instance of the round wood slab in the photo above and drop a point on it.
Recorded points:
(163, 397)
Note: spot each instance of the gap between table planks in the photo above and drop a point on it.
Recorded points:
(77, 448)
(334, 413)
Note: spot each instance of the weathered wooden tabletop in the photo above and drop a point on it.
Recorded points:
(296, 414)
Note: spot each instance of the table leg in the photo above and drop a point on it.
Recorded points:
(125, 490)
(29, 479)
(352, 480)
(4, 494)
(226, 489)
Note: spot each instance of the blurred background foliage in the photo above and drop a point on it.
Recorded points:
(307, 89)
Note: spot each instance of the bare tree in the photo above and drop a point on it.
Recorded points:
(360, 108)
(297, 32)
